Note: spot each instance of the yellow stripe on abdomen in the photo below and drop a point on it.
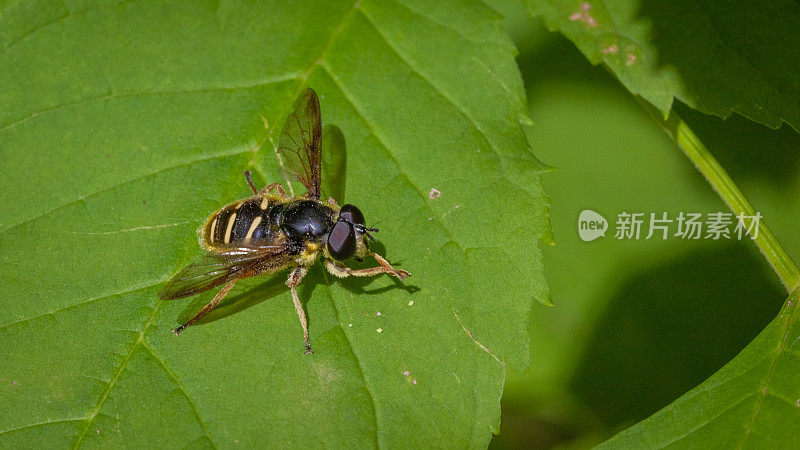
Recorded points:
(231, 219)
(252, 228)
(213, 229)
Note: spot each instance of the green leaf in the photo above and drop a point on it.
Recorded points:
(719, 57)
(754, 401)
(122, 126)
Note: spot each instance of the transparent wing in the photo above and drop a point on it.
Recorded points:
(214, 269)
(299, 142)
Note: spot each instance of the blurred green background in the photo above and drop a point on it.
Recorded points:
(635, 324)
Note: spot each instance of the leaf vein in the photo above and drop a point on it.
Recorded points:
(358, 362)
(438, 89)
(131, 180)
(400, 169)
(113, 95)
(710, 420)
(39, 424)
(475, 341)
(181, 388)
(301, 77)
(765, 389)
(76, 305)
(499, 158)
(439, 23)
(115, 376)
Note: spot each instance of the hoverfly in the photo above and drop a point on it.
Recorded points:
(271, 231)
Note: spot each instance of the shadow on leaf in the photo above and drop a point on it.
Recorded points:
(670, 327)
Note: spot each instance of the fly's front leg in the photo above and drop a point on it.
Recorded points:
(401, 274)
(294, 279)
(206, 309)
(274, 187)
(342, 271)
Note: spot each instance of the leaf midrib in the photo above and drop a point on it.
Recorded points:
(115, 376)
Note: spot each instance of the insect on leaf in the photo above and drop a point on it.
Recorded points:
(112, 162)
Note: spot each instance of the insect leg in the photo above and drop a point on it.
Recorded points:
(342, 271)
(388, 267)
(294, 279)
(206, 309)
(250, 181)
(276, 186)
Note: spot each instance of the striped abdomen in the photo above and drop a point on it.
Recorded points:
(244, 222)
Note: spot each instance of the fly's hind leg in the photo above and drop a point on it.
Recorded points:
(206, 309)
(274, 187)
(250, 181)
(342, 271)
(294, 279)
(270, 187)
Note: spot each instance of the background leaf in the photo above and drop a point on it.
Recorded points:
(636, 324)
(733, 407)
(718, 57)
(123, 125)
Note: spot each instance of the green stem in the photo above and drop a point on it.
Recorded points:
(694, 149)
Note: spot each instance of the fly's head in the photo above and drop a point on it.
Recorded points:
(348, 238)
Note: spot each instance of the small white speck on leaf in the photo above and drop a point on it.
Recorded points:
(379, 330)
(631, 59)
(406, 373)
(415, 381)
(789, 303)
(349, 324)
(610, 50)
(583, 15)
(378, 313)
(411, 303)
(434, 193)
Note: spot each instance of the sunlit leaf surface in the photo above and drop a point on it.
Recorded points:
(122, 126)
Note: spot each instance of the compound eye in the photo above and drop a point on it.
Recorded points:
(352, 214)
(342, 241)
